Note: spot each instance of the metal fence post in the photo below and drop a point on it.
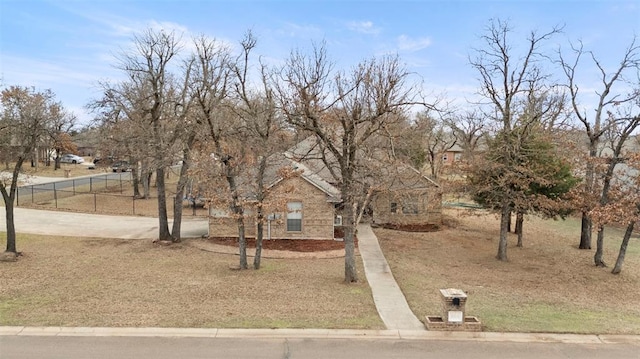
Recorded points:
(134, 203)
(90, 184)
(31, 194)
(73, 184)
(95, 203)
(55, 195)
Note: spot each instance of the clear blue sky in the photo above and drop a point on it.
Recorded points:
(67, 46)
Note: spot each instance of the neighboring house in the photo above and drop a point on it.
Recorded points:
(452, 155)
(87, 142)
(306, 205)
(411, 198)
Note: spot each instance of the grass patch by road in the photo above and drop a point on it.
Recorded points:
(112, 282)
(547, 286)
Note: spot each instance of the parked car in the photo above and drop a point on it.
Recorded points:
(69, 158)
(121, 166)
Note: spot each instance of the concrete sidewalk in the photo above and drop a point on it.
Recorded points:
(320, 334)
(390, 302)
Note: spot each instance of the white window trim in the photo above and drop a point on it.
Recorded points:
(288, 214)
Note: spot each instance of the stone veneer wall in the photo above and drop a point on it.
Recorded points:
(317, 214)
(429, 207)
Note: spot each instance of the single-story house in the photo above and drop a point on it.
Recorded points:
(307, 205)
(301, 206)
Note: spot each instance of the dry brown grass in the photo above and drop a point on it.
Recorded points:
(547, 286)
(107, 282)
(113, 202)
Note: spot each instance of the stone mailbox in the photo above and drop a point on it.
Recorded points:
(453, 301)
(453, 313)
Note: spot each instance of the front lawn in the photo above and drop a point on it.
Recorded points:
(546, 286)
(113, 282)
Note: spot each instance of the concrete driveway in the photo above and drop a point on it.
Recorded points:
(60, 223)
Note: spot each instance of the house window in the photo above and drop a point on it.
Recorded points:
(294, 216)
(457, 157)
(394, 207)
(337, 221)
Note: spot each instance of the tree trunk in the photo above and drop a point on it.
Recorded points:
(9, 199)
(623, 249)
(242, 240)
(509, 223)
(135, 176)
(598, 257)
(11, 229)
(259, 237)
(350, 272)
(56, 165)
(260, 196)
(585, 232)
(504, 222)
(238, 211)
(163, 220)
(177, 201)
(176, 227)
(146, 184)
(519, 224)
(36, 155)
(589, 178)
(367, 199)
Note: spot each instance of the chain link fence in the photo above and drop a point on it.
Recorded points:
(107, 194)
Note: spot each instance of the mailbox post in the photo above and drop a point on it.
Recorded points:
(453, 301)
(453, 313)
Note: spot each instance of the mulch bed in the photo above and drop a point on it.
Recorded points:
(294, 245)
(411, 227)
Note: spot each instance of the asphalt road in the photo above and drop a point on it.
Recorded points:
(43, 347)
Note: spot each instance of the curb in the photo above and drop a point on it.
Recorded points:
(321, 334)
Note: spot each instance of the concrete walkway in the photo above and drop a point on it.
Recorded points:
(390, 302)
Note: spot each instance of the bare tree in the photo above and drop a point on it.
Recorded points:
(152, 96)
(623, 206)
(124, 133)
(616, 137)
(26, 116)
(61, 124)
(610, 94)
(262, 125)
(506, 80)
(343, 111)
(212, 74)
(468, 129)
(437, 138)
